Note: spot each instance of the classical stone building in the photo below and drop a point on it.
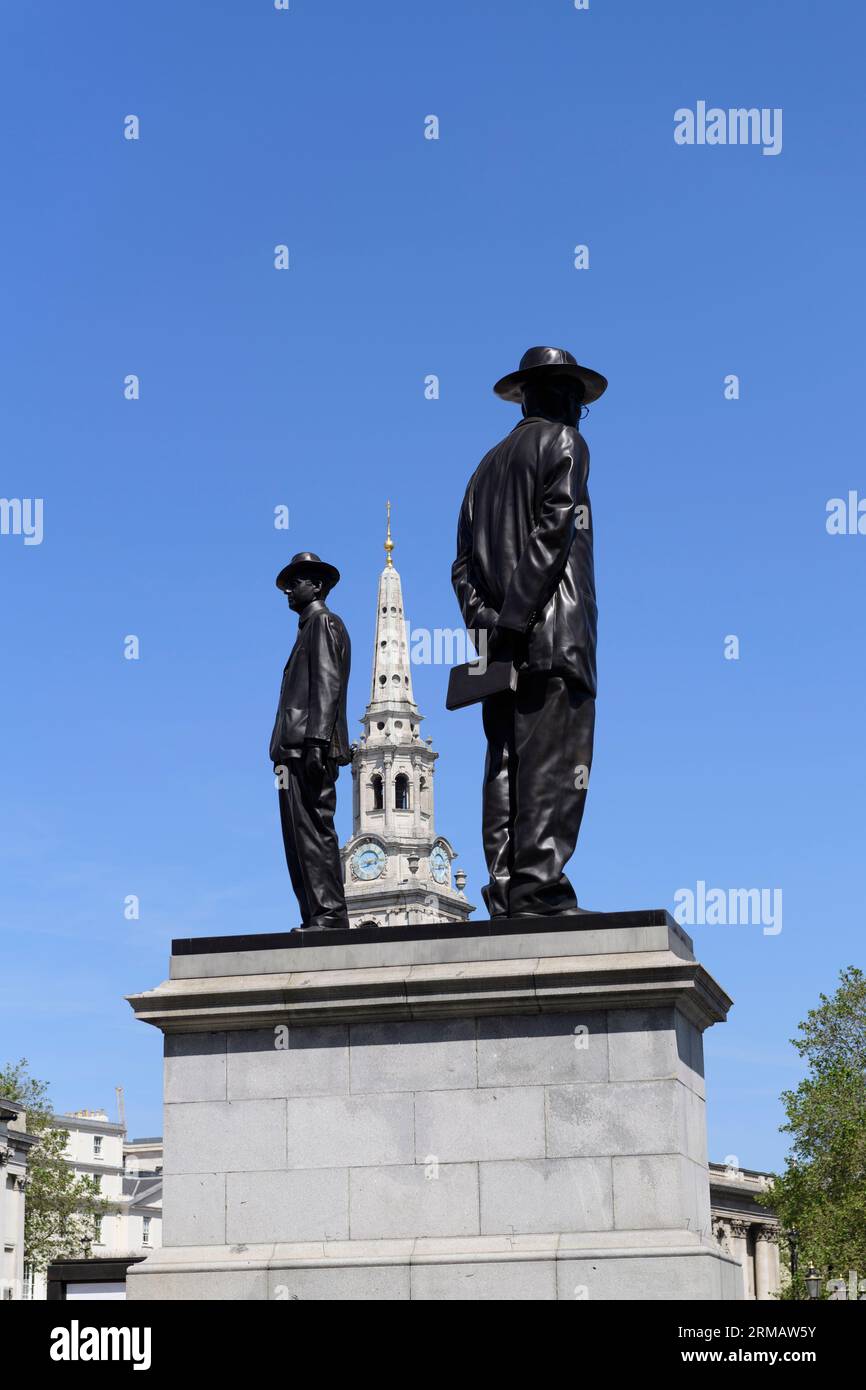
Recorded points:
(397, 870)
(745, 1228)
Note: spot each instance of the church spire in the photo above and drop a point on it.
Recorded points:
(397, 869)
(391, 685)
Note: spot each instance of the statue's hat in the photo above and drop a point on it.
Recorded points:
(306, 560)
(538, 362)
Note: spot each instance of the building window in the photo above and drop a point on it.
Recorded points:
(401, 792)
(378, 794)
(97, 1146)
(145, 1230)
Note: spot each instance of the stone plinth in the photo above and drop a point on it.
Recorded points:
(507, 1111)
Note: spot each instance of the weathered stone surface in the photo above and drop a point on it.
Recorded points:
(194, 1209)
(418, 1201)
(546, 1195)
(309, 1204)
(622, 1265)
(315, 1063)
(652, 1279)
(625, 1117)
(701, 1198)
(194, 1068)
(424, 1056)
(694, 1121)
(346, 1283)
(201, 1285)
(691, 1276)
(512, 1281)
(655, 1191)
(351, 1131)
(642, 1043)
(469, 1126)
(223, 1137)
(545, 1049)
(690, 1053)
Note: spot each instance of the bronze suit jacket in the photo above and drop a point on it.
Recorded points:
(524, 548)
(313, 693)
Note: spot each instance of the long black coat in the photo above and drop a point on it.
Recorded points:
(524, 548)
(313, 692)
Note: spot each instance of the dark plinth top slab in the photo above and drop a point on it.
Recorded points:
(429, 931)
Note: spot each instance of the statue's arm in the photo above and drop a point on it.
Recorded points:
(564, 466)
(477, 614)
(328, 673)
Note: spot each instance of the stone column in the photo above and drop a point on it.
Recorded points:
(766, 1263)
(739, 1248)
(388, 793)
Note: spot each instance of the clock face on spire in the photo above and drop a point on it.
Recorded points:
(439, 864)
(368, 861)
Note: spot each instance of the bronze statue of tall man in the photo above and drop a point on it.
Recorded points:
(524, 576)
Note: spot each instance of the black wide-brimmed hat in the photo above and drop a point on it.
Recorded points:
(306, 560)
(538, 362)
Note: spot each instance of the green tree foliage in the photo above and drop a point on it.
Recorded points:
(61, 1210)
(822, 1192)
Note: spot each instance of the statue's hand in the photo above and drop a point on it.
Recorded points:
(313, 763)
(503, 642)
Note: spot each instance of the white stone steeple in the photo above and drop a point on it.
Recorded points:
(391, 685)
(397, 870)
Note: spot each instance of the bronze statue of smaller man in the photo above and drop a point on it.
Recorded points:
(310, 742)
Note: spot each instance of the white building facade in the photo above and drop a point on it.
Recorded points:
(15, 1146)
(130, 1181)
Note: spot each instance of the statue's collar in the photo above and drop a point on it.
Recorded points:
(317, 606)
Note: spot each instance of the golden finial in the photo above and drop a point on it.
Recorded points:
(389, 544)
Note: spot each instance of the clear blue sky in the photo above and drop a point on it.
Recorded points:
(305, 387)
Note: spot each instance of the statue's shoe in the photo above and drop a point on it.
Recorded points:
(572, 912)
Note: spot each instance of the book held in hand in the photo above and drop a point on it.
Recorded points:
(475, 680)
